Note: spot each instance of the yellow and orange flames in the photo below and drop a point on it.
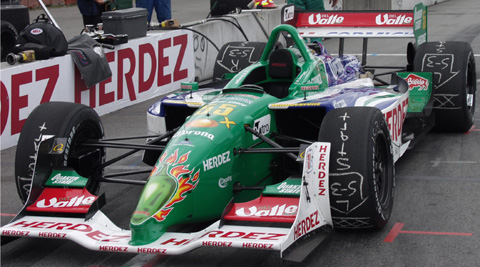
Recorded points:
(172, 157)
(162, 214)
(183, 187)
(185, 184)
(183, 158)
(179, 170)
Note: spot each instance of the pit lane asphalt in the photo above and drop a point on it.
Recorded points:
(435, 219)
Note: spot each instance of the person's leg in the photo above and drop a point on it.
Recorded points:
(163, 8)
(148, 4)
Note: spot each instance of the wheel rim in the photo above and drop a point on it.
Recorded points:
(381, 170)
(470, 88)
(88, 131)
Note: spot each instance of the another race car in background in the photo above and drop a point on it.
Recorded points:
(290, 147)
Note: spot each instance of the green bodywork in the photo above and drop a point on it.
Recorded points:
(194, 177)
(201, 156)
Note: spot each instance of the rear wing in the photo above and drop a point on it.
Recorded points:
(359, 24)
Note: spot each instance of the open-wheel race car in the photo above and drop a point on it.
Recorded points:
(291, 147)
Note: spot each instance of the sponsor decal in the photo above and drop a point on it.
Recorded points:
(395, 117)
(196, 133)
(15, 233)
(309, 88)
(223, 182)
(58, 226)
(63, 180)
(271, 209)
(354, 19)
(189, 86)
(416, 82)
(242, 235)
(184, 143)
(50, 227)
(216, 161)
(257, 245)
(289, 188)
(393, 19)
(289, 13)
(317, 79)
(202, 123)
(306, 225)
(73, 202)
(216, 243)
(113, 248)
(36, 31)
(152, 250)
(276, 210)
(280, 105)
(325, 19)
(322, 170)
(240, 95)
(309, 160)
(262, 125)
(52, 235)
(63, 200)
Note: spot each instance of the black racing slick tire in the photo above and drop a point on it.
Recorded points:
(454, 83)
(75, 122)
(362, 176)
(8, 39)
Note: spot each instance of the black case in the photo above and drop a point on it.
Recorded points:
(130, 21)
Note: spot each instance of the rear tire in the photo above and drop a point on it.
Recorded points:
(454, 83)
(75, 122)
(362, 178)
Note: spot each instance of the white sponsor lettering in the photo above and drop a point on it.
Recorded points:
(216, 161)
(73, 202)
(223, 182)
(273, 211)
(198, 133)
(390, 19)
(325, 19)
(59, 179)
(288, 188)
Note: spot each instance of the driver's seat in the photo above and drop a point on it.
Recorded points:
(282, 70)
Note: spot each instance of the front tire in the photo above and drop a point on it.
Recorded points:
(75, 122)
(362, 178)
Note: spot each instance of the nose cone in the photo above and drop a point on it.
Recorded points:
(161, 187)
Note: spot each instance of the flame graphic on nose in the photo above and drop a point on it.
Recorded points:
(172, 157)
(186, 182)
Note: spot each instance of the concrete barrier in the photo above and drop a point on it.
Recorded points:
(385, 5)
(256, 26)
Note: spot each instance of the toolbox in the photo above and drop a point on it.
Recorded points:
(130, 21)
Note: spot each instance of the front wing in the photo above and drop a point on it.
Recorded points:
(101, 234)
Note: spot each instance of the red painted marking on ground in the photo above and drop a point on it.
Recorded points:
(472, 130)
(8, 214)
(153, 261)
(397, 229)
